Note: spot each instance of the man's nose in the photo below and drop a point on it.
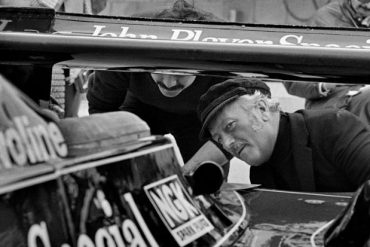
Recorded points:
(169, 81)
(228, 142)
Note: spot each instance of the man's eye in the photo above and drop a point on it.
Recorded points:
(230, 126)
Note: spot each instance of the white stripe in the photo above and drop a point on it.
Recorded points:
(312, 238)
(236, 226)
(305, 193)
(140, 220)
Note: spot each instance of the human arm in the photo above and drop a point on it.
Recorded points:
(106, 91)
(310, 91)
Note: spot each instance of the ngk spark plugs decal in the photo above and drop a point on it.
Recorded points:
(177, 211)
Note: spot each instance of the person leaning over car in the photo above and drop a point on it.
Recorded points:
(343, 13)
(354, 98)
(323, 150)
(167, 102)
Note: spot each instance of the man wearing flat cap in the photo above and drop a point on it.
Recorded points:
(324, 150)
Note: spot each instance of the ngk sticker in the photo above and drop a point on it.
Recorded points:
(176, 209)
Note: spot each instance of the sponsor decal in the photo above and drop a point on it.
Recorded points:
(27, 143)
(198, 35)
(126, 234)
(177, 211)
(238, 37)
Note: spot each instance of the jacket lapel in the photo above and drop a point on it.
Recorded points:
(302, 153)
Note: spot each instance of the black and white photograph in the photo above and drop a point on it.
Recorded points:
(189, 123)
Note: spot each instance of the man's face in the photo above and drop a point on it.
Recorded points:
(245, 131)
(172, 85)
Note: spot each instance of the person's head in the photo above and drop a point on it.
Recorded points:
(181, 10)
(362, 7)
(172, 85)
(240, 115)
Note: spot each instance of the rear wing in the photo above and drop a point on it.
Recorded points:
(137, 44)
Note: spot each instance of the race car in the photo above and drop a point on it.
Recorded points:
(127, 188)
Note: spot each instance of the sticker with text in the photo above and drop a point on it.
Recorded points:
(176, 209)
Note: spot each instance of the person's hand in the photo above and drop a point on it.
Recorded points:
(327, 87)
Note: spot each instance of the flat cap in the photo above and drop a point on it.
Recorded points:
(223, 93)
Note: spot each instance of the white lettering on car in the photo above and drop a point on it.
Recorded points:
(197, 35)
(186, 35)
(290, 40)
(98, 32)
(31, 144)
(173, 204)
(128, 234)
(38, 232)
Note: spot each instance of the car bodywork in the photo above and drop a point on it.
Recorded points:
(115, 198)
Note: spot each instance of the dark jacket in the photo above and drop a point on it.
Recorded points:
(330, 153)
